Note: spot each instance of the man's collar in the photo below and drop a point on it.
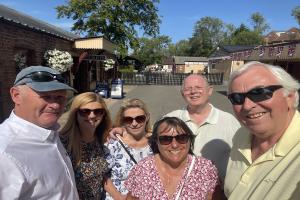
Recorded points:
(290, 138)
(212, 117)
(30, 130)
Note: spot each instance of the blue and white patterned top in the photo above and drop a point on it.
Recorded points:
(120, 163)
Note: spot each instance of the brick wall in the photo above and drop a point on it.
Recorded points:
(15, 38)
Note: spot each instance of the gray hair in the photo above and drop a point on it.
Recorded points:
(285, 79)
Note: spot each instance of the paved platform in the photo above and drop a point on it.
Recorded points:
(161, 99)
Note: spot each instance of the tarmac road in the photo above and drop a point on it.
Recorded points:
(162, 99)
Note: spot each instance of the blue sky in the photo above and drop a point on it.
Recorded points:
(179, 16)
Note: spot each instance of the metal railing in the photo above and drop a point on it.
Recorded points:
(148, 78)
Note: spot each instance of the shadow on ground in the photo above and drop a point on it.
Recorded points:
(223, 93)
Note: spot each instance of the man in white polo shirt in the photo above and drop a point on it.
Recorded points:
(213, 128)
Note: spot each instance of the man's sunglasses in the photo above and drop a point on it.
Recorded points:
(86, 112)
(43, 77)
(139, 119)
(166, 139)
(255, 95)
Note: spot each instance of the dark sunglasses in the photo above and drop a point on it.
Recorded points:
(43, 77)
(166, 139)
(255, 95)
(139, 119)
(86, 112)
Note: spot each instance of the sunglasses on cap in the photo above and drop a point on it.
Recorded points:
(85, 112)
(43, 76)
(139, 119)
(255, 95)
(167, 139)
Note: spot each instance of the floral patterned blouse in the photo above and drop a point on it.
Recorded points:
(90, 172)
(120, 162)
(144, 182)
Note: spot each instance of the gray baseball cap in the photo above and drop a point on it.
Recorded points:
(42, 79)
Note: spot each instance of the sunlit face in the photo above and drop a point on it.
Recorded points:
(174, 153)
(90, 115)
(40, 108)
(266, 118)
(195, 91)
(134, 123)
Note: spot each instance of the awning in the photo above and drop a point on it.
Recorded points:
(95, 43)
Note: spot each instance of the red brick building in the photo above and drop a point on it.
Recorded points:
(22, 34)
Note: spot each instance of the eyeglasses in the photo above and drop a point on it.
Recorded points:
(43, 77)
(139, 119)
(255, 95)
(85, 112)
(167, 139)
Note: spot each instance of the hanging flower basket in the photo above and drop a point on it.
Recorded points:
(58, 60)
(20, 60)
(108, 64)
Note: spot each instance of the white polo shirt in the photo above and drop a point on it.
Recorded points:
(213, 137)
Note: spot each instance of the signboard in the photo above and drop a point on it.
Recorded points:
(95, 57)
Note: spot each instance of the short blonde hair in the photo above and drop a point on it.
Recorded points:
(133, 103)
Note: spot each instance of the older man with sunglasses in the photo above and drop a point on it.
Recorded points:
(264, 162)
(33, 162)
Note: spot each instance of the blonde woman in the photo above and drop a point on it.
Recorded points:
(83, 136)
(122, 154)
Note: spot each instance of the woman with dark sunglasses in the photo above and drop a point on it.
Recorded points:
(173, 172)
(83, 135)
(122, 154)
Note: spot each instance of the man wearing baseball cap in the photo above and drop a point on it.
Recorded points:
(33, 162)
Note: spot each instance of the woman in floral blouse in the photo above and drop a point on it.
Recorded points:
(173, 172)
(131, 147)
(83, 136)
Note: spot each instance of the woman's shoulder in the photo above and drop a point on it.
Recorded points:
(146, 163)
(144, 168)
(202, 162)
(111, 142)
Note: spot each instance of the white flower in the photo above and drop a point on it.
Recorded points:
(58, 60)
(108, 64)
(20, 60)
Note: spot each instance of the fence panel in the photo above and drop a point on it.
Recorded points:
(148, 78)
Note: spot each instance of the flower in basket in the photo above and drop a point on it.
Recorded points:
(58, 60)
(108, 64)
(20, 60)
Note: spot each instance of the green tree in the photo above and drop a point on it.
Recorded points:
(259, 23)
(181, 48)
(117, 20)
(244, 36)
(210, 29)
(247, 38)
(209, 32)
(152, 50)
(230, 30)
(240, 29)
(296, 13)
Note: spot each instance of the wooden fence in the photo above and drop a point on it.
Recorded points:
(148, 78)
